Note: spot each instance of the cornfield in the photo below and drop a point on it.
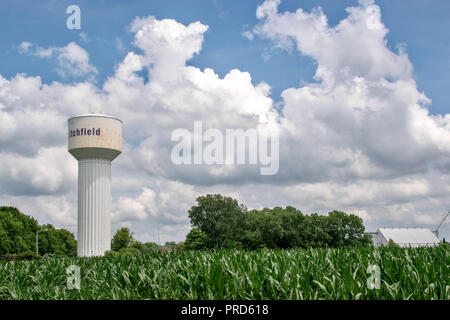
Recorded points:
(420, 273)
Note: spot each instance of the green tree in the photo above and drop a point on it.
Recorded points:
(316, 232)
(17, 232)
(150, 247)
(122, 239)
(294, 225)
(138, 246)
(18, 235)
(68, 242)
(56, 241)
(220, 218)
(274, 228)
(170, 245)
(252, 235)
(271, 227)
(179, 246)
(5, 242)
(196, 240)
(345, 230)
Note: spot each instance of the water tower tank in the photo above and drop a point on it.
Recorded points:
(94, 140)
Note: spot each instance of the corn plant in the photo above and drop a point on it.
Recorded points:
(419, 273)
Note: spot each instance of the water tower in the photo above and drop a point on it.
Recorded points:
(94, 140)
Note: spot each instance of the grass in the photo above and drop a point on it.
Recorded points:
(420, 273)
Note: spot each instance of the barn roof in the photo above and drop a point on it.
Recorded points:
(409, 235)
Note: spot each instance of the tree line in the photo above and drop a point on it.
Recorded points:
(221, 222)
(124, 243)
(218, 222)
(18, 236)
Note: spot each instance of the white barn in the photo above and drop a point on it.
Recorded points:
(405, 237)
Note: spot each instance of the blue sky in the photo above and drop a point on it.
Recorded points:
(350, 140)
(420, 25)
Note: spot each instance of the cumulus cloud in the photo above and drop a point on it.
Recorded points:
(358, 138)
(167, 44)
(247, 34)
(355, 47)
(364, 117)
(49, 172)
(167, 203)
(72, 60)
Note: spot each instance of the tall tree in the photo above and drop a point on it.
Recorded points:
(17, 232)
(56, 241)
(150, 247)
(18, 235)
(122, 239)
(220, 218)
(170, 245)
(345, 230)
(196, 239)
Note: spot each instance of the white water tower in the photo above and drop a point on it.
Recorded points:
(94, 140)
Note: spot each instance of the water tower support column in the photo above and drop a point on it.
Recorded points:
(94, 201)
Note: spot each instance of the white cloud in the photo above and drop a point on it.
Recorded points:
(50, 171)
(355, 47)
(72, 59)
(126, 69)
(127, 209)
(168, 203)
(167, 44)
(362, 214)
(248, 34)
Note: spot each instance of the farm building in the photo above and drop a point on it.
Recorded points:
(405, 237)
